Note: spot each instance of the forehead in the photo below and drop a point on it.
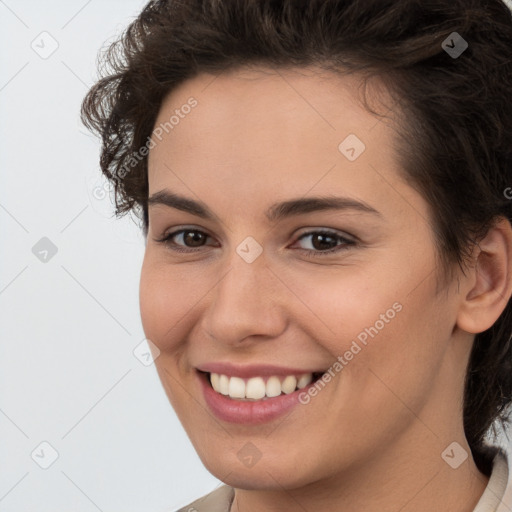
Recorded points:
(256, 110)
(255, 132)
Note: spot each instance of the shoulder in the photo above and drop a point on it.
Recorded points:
(218, 500)
(498, 493)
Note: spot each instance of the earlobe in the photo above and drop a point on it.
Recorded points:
(488, 280)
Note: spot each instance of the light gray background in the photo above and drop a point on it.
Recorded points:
(70, 324)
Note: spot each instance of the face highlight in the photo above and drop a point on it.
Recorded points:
(300, 247)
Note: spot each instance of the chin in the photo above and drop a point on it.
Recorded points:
(272, 476)
(260, 480)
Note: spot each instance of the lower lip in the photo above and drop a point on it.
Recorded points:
(248, 412)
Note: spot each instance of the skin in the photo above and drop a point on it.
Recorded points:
(372, 439)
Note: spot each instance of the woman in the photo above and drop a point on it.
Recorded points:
(327, 275)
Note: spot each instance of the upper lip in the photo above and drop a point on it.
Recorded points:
(252, 370)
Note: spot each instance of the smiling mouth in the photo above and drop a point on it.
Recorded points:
(258, 388)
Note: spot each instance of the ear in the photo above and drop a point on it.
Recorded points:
(488, 281)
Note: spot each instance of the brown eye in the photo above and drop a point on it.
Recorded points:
(325, 242)
(193, 238)
(184, 238)
(322, 241)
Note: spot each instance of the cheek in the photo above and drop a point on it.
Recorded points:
(150, 301)
(391, 377)
(164, 301)
(390, 339)
(335, 304)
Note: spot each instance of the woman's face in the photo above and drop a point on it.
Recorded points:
(250, 291)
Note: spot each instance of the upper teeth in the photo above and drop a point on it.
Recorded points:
(256, 388)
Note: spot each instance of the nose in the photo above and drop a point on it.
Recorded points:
(245, 303)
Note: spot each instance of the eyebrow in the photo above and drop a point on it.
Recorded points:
(276, 212)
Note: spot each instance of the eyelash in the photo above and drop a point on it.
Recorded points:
(311, 253)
